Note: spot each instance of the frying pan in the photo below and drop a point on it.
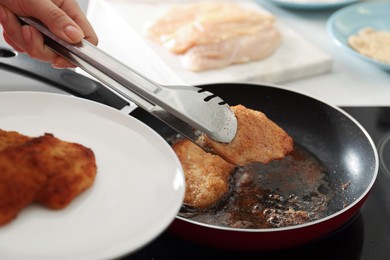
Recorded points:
(334, 137)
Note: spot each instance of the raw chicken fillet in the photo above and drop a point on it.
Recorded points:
(211, 35)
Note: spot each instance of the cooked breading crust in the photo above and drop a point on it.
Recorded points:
(43, 169)
(258, 139)
(71, 167)
(207, 175)
(11, 138)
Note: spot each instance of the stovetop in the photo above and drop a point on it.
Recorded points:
(367, 236)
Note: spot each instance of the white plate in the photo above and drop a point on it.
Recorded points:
(137, 193)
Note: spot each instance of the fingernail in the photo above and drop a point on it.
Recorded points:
(56, 66)
(3, 15)
(61, 63)
(73, 33)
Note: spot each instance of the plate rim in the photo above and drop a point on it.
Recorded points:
(121, 248)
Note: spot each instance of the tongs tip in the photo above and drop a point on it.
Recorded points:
(228, 129)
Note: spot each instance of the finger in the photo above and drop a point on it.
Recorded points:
(77, 15)
(37, 49)
(56, 19)
(41, 51)
(11, 43)
(35, 46)
(61, 63)
(12, 29)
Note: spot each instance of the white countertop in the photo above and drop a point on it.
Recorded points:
(351, 82)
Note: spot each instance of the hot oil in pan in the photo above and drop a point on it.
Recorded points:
(291, 191)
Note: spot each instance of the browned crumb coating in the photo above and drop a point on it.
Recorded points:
(207, 175)
(258, 139)
(11, 138)
(43, 169)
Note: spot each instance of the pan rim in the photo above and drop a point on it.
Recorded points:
(318, 221)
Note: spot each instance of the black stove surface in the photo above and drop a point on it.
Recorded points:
(367, 236)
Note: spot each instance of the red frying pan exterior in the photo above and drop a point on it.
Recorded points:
(256, 240)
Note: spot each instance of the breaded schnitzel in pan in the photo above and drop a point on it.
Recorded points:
(207, 175)
(258, 139)
(43, 169)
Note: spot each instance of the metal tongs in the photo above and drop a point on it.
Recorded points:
(187, 109)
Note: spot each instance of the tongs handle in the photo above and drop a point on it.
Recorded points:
(99, 64)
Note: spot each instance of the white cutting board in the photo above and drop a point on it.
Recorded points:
(120, 25)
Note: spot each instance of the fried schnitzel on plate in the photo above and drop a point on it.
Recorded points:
(138, 190)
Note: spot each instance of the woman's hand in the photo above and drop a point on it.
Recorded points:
(63, 17)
